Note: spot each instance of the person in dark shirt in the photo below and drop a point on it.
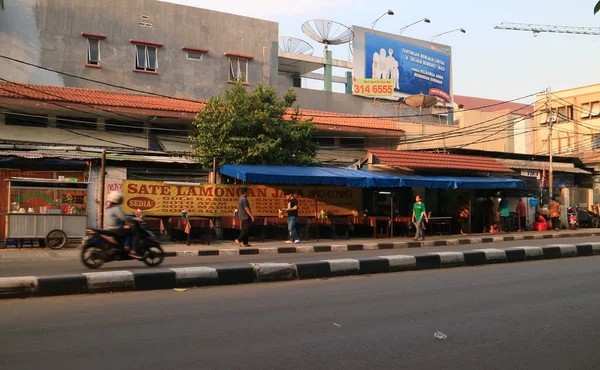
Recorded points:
(292, 211)
(245, 216)
(522, 213)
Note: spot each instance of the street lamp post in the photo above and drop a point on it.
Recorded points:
(389, 12)
(443, 33)
(425, 20)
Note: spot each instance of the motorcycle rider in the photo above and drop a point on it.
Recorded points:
(115, 219)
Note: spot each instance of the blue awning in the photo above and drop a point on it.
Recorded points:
(487, 183)
(358, 178)
(309, 176)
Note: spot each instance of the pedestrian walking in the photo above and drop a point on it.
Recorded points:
(554, 213)
(504, 215)
(292, 211)
(489, 215)
(246, 217)
(463, 216)
(522, 214)
(419, 215)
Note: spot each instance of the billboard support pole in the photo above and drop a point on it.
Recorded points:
(328, 70)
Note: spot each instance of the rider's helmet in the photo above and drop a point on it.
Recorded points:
(115, 197)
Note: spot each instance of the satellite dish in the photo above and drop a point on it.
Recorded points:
(421, 101)
(294, 45)
(327, 32)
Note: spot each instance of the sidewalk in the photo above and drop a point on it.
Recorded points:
(229, 248)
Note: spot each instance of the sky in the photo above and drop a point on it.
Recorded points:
(487, 63)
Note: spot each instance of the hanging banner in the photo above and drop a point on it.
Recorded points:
(160, 199)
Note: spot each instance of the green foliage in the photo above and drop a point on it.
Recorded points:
(597, 8)
(242, 127)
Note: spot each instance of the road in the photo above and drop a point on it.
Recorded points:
(539, 315)
(71, 266)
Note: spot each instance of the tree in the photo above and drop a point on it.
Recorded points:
(242, 127)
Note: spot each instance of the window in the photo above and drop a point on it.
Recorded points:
(352, 142)
(194, 55)
(564, 113)
(595, 109)
(146, 58)
(124, 126)
(325, 141)
(169, 129)
(93, 51)
(238, 70)
(596, 141)
(25, 120)
(585, 110)
(76, 123)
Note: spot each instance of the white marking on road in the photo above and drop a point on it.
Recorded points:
(229, 252)
(401, 262)
(18, 284)
(183, 274)
(109, 280)
(451, 258)
(493, 254)
(343, 265)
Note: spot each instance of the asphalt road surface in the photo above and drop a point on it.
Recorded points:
(539, 315)
(39, 267)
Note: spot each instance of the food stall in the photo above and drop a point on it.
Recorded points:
(46, 209)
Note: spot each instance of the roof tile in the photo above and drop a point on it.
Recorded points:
(424, 160)
(187, 105)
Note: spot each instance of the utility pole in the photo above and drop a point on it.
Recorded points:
(550, 122)
(102, 185)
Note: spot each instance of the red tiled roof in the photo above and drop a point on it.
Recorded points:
(491, 105)
(97, 97)
(152, 102)
(339, 119)
(424, 160)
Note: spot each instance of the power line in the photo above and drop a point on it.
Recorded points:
(61, 98)
(197, 102)
(17, 113)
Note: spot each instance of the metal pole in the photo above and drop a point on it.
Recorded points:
(317, 213)
(102, 185)
(391, 215)
(214, 170)
(550, 140)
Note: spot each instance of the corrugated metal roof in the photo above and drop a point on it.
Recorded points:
(80, 155)
(538, 165)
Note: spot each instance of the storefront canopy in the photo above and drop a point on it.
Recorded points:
(359, 178)
(309, 176)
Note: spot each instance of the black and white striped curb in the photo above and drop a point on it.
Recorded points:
(372, 246)
(94, 282)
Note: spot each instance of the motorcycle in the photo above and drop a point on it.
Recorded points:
(572, 217)
(101, 246)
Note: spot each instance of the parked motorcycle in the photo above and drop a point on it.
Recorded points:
(572, 217)
(101, 246)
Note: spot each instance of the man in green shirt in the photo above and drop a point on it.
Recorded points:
(504, 215)
(418, 216)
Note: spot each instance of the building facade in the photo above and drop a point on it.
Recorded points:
(147, 45)
(575, 122)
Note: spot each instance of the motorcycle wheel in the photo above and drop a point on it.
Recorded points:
(92, 257)
(154, 255)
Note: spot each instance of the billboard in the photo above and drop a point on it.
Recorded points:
(413, 69)
(414, 66)
(161, 199)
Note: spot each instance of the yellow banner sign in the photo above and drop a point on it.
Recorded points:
(373, 87)
(160, 199)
